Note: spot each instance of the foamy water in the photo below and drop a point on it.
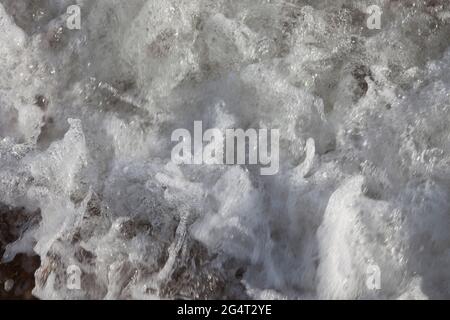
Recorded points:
(86, 118)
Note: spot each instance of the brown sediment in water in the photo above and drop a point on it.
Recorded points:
(16, 276)
(21, 271)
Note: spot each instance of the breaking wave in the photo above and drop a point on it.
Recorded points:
(86, 118)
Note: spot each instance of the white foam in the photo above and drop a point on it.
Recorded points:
(364, 149)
